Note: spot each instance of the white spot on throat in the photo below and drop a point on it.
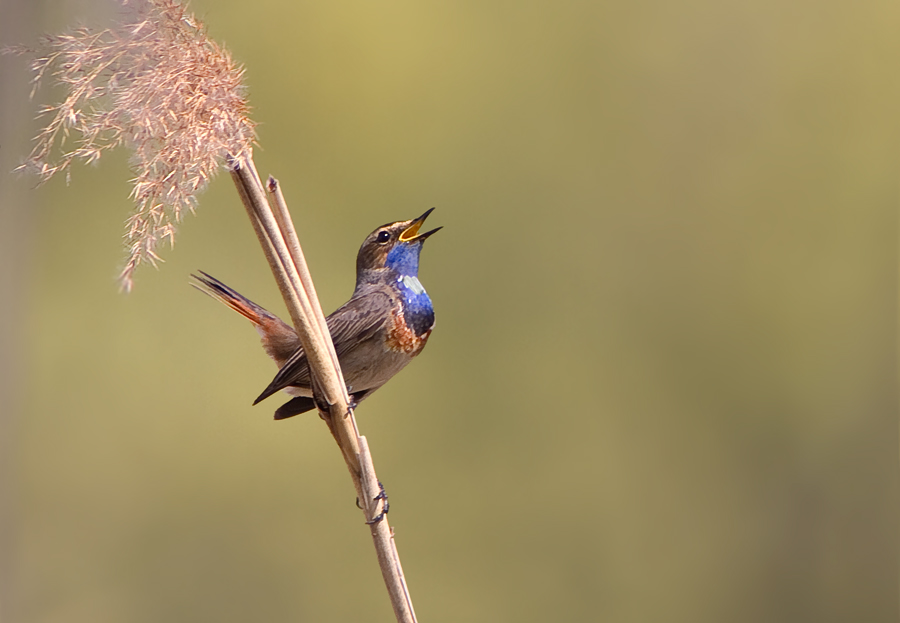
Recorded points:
(413, 284)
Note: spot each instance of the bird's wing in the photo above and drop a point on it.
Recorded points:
(354, 322)
(359, 319)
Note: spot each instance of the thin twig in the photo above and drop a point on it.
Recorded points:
(282, 249)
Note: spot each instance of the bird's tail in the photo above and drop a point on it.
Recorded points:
(278, 339)
(234, 299)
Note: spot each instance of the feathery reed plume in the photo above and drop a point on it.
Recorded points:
(159, 86)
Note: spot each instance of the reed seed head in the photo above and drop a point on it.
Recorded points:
(157, 85)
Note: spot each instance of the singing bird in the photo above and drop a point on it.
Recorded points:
(376, 333)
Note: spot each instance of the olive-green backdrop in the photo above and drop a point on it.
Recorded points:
(662, 385)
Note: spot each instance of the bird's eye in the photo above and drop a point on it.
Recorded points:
(383, 236)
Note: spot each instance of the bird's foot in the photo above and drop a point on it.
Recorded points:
(352, 403)
(385, 505)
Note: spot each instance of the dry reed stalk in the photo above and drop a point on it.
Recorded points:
(278, 238)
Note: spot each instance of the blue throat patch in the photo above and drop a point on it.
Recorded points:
(404, 258)
(417, 308)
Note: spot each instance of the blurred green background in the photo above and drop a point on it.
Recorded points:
(663, 382)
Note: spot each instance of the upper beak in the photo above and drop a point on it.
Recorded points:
(411, 233)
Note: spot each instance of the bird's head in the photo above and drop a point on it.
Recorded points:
(395, 246)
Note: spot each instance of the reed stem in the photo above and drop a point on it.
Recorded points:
(272, 223)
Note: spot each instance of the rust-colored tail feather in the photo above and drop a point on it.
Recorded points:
(278, 339)
(234, 299)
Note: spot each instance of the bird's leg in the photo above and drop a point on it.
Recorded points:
(385, 505)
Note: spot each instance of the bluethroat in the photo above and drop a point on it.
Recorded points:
(376, 333)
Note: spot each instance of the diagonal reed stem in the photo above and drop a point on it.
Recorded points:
(272, 224)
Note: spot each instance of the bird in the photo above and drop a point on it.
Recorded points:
(384, 325)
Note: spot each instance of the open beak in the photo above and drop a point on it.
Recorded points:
(411, 233)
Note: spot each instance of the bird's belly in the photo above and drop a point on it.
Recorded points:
(367, 367)
(370, 365)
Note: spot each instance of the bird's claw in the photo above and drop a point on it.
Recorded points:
(351, 401)
(385, 505)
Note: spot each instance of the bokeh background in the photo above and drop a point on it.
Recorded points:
(663, 382)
